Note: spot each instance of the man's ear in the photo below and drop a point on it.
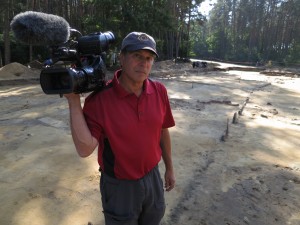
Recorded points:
(121, 58)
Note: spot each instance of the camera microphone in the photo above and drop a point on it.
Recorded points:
(39, 28)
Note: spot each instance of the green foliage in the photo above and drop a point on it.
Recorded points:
(20, 52)
(293, 56)
(250, 31)
(237, 30)
(168, 21)
(118, 16)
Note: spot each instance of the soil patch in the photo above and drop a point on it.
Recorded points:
(235, 150)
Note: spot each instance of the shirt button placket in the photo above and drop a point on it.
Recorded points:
(140, 110)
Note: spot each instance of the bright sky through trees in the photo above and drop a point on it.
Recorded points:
(206, 6)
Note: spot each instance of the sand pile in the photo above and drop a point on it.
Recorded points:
(16, 70)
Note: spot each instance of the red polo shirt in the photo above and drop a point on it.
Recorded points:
(128, 127)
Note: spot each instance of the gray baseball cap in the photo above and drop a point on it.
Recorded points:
(137, 40)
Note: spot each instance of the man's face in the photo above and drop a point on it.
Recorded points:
(137, 65)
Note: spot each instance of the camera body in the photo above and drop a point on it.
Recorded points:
(86, 71)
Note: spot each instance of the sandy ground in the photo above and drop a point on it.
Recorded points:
(246, 172)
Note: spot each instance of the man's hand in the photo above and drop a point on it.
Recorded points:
(72, 97)
(169, 180)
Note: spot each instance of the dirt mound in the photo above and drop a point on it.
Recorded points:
(288, 72)
(170, 64)
(16, 70)
(36, 65)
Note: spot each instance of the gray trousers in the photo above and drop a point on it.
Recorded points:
(137, 202)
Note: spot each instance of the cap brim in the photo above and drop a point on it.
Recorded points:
(137, 47)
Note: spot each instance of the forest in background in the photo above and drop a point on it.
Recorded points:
(248, 31)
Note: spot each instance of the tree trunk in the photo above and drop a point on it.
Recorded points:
(6, 34)
(1, 64)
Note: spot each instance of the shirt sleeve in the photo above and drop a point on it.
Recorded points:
(168, 117)
(92, 117)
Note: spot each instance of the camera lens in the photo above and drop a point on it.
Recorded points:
(56, 81)
(95, 43)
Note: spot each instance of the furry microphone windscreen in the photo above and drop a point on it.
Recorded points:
(39, 28)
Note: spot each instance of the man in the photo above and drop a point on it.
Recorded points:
(129, 122)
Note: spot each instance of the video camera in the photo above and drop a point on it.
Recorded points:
(86, 71)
